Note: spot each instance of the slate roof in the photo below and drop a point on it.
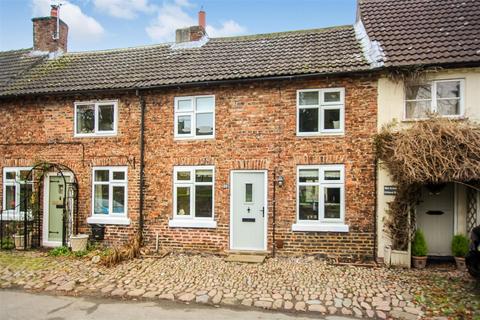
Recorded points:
(330, 50)
(424, 31)
(13, 64)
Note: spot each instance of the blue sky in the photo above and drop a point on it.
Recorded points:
(103, 24)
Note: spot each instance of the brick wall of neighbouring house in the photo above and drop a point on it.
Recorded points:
(39, 123)
(255, 129)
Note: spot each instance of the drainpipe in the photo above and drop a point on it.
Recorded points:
(375, 208)
(274, 210)
(142, 164)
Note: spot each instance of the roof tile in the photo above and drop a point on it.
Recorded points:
(424, 31)
(328, 50)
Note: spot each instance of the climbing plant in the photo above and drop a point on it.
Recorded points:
(435, 151)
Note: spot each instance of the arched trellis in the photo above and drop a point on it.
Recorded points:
(36, 175)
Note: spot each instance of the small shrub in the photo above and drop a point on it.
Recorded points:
(460, 245)
(419, 245)
(7, 244)
(92, 246)
(80, 254)
(59, 251)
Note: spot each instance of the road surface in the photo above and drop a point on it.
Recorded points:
(17, 305)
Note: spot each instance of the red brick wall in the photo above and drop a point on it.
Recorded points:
(45, 121)
(255, 129)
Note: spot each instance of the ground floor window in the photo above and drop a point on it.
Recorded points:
(16, 185)
(109, 194)
(193, 196)
(320, 198)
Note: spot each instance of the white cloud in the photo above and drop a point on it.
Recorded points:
(172, 16)
(184, 3)
(228, 28)
(80, 26)
(126, 9)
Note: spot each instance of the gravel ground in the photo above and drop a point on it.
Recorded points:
(284, 284)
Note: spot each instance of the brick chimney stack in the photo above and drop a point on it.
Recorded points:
(193, 33)
(50, 33)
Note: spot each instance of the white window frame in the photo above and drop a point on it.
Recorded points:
(433, 105)
(96, 132)
(322, 224)
(322, 106)
(111, 217)
(192, 113)
(190, 221)
(15, 214)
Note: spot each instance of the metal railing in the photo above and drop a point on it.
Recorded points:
(18, 230)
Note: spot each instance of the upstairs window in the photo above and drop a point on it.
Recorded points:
(195, 117)
(320, 111)
(441, 97)
(95, 119)
(15, 188)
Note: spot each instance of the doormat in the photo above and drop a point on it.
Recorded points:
(246, 258)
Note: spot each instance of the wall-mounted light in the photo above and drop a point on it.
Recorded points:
(280, 181)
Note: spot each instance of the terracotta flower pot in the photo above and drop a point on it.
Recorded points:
(460, 261)
(419, 262)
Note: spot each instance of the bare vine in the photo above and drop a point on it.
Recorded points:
(436, 151)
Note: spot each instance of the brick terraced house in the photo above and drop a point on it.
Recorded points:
(254, 143)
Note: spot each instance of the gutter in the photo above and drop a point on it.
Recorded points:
(142, 165)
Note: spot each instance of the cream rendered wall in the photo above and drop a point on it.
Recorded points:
(391, 105)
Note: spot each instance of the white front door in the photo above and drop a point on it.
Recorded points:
(435, 217)
(248, 210)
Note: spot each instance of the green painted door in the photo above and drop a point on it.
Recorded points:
(55, 208)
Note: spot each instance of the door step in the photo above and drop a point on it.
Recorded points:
(246, 258)
(248, 252)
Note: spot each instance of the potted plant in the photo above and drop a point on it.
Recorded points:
(460, 249)
(419, 250)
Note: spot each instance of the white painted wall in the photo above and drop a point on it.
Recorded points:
(391, 104)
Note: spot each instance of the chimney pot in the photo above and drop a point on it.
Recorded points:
(202, 19)
(54, 11)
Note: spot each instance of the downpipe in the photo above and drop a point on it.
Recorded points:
(142, 166)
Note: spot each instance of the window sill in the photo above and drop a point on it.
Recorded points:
(193, 138)
(95, 135)
(454, 118)
(108, 220)
(324, 227)
(192, 223)
(319, 134)
(15, 216)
